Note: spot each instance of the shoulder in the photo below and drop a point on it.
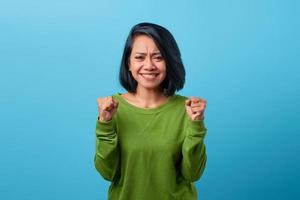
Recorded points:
(181, 98)
(116, 95)
(179, 101)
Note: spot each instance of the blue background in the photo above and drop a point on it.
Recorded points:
(58, 56)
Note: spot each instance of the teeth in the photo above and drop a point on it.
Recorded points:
(150, 75)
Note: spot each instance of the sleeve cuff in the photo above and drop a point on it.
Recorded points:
(196, 127)
(105, 126)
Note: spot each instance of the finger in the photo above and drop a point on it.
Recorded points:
(195, 104)
(104, 105)
(109, 98)
(109, 106)
(195, 99)
(203, 101)
(188, 102)
(112, 103)
(116, 103)
(201, 104)
(100, 103)
(197, 109)
(99, 100)
(198, 115)
(202, 107)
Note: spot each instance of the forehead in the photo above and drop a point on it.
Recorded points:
(144, 43)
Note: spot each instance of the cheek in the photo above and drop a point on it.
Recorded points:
(134, 66)
(163, 68)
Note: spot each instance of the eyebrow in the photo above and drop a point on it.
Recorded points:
(155, 53)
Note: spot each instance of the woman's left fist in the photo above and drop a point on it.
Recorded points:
(195, 108)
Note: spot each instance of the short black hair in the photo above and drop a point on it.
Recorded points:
(165, 42)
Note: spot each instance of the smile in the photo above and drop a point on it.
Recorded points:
(149, 75)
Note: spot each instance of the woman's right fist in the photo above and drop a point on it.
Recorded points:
(107, 107)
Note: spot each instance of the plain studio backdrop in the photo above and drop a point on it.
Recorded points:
(58, 56)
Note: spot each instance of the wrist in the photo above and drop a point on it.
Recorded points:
(100, 119)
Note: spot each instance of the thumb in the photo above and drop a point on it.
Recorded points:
(188, 102)
(115, 103)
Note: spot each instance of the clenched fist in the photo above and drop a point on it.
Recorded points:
(107, 107)
(195, 108)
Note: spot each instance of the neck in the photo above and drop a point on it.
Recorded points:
(149, 97)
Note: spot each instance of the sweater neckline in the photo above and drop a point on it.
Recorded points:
(146, 110)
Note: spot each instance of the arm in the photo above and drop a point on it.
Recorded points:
(193, 150)
(106, 159)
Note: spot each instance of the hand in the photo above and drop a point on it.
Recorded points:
(195, 108)
(107, 107)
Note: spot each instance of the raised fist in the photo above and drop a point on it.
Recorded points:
(107, 107)
(195, 108)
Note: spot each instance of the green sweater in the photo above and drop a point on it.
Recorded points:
(154, 153)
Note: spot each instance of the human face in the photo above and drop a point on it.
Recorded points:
(146, 63)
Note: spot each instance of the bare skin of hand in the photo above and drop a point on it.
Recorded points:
(107, 107)
(195, 108)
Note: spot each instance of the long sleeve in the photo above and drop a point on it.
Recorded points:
(107, 157)
(193, 150)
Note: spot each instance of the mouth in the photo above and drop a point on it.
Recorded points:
(149, 75)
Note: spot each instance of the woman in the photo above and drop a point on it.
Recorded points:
(150, 141)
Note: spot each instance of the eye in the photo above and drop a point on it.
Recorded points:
(158, 58)
(138, 57)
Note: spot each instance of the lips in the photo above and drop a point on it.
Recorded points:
(149, 75)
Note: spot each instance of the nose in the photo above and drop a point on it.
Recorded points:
(149, 64)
